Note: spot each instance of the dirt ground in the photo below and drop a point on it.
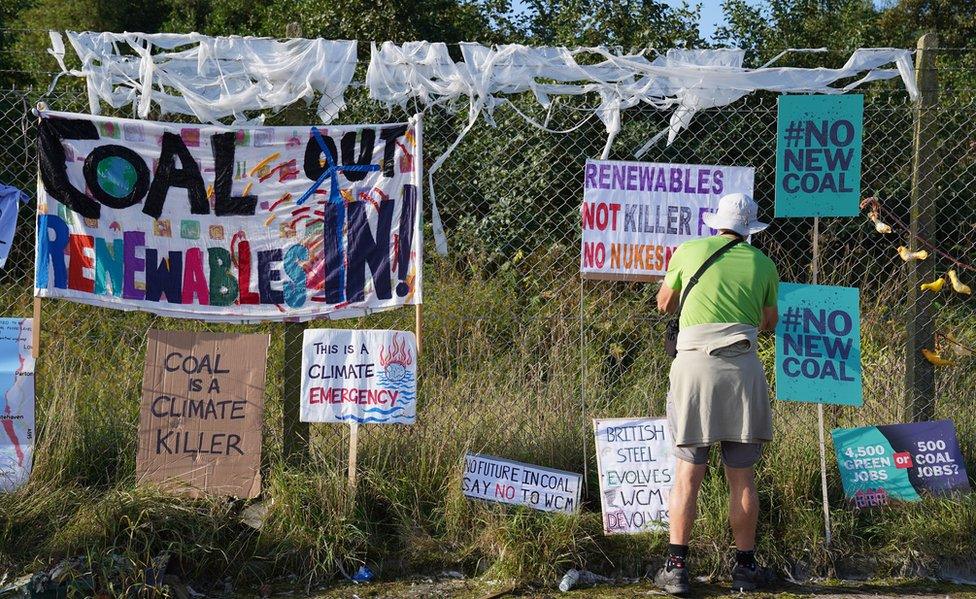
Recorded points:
(476, 589)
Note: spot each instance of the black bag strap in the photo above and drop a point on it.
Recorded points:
(694, 278)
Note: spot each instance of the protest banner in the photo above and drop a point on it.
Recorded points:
(228, 223)
(818, 344)
(202, 413)
(899, 461)
(504, 481)
(636, 213)
(818, 155)
(17, 392)
(362, 376)
(636, 464)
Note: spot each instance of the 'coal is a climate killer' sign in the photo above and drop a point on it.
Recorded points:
(202, 413)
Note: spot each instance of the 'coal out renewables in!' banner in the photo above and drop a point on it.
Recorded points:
(228, 223)
(818, 344)
(636, 213)
(899, 461)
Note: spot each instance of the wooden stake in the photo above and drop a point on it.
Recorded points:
(815, 276)
(36, 329)
(296, 434)
(419, 326)
(920, 319)
(353, 455)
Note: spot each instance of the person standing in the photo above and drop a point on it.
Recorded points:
(718, 392)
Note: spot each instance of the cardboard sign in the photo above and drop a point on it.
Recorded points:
(899, 461)
(228, 223)
(636, 213)
(818, 344)
(202, 412)
(496, 479)
(16, 402)
(636, 461)
(362, 376)
(818, 155)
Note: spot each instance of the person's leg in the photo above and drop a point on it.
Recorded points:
(740, 471)
(740, 461)
(690, 467)
(683, 500)
(743, 506)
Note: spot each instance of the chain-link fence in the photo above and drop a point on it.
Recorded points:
(520, 353)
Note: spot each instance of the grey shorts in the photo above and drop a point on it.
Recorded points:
(734, 454)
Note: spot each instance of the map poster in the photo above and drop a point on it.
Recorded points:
(636, 463)
(900, 462)
(202, 413)
(17, 404)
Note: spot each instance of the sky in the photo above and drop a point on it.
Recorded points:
(711, 14)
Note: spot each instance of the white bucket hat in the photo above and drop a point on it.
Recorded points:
(736, 212)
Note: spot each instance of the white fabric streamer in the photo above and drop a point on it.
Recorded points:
(209, 77)
(212, 78)
(686, 80)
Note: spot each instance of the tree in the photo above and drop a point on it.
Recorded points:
(765, 30)
(627, 24)
(29, 40)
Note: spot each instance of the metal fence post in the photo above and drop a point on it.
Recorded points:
(295, 433)
(920, 327)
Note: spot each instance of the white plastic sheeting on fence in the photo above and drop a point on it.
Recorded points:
(209, 77)
(686, 80)
(212, 78)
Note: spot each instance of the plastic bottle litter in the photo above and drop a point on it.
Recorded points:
(363, 574)
(569, 580)
(574, 578)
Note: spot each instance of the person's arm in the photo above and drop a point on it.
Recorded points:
(670, 292)
(770, 315)
(667, 299)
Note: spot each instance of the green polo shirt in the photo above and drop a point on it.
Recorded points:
(734, 289)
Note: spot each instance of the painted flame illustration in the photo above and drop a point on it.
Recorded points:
(397, 353)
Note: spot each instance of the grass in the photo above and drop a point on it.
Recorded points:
(502, 373)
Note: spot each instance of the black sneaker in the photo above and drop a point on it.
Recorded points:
(745, 578)
(673, 581)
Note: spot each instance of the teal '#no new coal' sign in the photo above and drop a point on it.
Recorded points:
(818, 155)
